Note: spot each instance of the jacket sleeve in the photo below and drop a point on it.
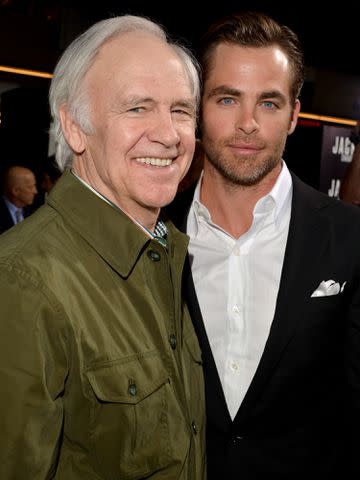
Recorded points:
(33, 369)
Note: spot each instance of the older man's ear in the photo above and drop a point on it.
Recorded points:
(72, 131)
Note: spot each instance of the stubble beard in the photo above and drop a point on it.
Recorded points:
(242, 170)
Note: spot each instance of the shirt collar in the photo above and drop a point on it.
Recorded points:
(110, 232)
(199, 207)
(278, 196)
(277, 199)
(160, 231)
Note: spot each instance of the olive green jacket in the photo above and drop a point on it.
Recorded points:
(100, 369)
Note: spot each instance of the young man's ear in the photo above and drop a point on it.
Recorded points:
(294, 116)
(72, 131)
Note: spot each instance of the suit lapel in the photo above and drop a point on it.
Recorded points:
(307, 239)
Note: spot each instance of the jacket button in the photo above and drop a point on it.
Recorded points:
(132, 389)
(173, 341)
(194, 427)
(237, 438)
(153, 255)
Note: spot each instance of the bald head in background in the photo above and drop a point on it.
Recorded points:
(18, 192)
(20, 186)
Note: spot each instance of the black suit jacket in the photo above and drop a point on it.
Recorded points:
(300, 416)
(6, 220)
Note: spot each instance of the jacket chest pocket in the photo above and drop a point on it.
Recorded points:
(129, 416)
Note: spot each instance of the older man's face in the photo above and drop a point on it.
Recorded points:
(143, 116)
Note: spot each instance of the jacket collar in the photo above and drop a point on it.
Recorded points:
(105, 228)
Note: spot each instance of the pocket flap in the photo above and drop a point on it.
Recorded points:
(128, 380)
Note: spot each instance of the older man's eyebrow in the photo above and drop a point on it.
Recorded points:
(136, 100)
(188, 105)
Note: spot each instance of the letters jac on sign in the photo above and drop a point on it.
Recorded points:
(344, 147)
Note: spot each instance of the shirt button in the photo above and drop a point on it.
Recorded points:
(132, 389)
(173, 341)
(236, 251)
(194, 427)
(153, 255)
(234, 366)
(236, 309)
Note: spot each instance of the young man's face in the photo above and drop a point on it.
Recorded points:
(247, 112)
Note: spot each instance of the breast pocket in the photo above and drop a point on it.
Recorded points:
(129, 416)
(327, 306)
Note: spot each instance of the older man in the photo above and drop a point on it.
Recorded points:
(19, 190)
(99, 365)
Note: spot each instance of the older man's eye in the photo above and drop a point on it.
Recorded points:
(183, 112)
(136, 109)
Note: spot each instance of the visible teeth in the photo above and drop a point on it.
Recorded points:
(158, 162)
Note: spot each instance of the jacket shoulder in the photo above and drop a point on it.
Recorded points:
(33, 243)
(307, 197)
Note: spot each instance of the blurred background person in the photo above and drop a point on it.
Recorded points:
(50, 176)
(18, 192)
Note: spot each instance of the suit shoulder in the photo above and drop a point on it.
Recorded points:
(306, 194)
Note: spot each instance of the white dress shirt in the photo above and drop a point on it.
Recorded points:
(237, 282)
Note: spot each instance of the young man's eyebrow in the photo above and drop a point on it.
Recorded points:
(224, 90)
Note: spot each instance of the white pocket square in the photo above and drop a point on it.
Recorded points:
(327, 288)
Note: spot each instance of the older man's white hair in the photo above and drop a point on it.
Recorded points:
(66, 86)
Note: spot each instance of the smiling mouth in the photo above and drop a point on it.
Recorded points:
(156, 162)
